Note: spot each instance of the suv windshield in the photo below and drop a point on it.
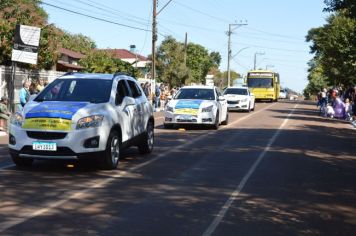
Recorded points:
(195, 93)
(237, 91)
(78, 90)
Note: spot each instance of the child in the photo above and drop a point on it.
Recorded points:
(348, 109)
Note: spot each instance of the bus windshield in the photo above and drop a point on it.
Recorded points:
(260, 82)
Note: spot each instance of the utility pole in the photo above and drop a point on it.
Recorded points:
(229, 49)
(185, 48)
(154, 39)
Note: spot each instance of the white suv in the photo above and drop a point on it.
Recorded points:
(81, 115)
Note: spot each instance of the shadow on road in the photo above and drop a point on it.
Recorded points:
(305, 185)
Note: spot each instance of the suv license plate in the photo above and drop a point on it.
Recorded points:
(44, 146)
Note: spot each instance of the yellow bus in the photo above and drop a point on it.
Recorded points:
(264, 84)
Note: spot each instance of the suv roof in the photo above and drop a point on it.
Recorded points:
(77, 75)
(198, 87)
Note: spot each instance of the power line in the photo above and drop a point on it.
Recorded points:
(278, 49)
(148, 21)
(193, 26)
(243, 66)
(201, 12)
(110, 8)
(87, 10)
(273, 34)
(95, 18)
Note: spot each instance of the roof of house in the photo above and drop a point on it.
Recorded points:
(124, 54)
(71, 53)
(69, 66)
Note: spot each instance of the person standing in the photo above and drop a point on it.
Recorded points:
(4, 114)
(24, 93)
(157, 101)
(40, 86)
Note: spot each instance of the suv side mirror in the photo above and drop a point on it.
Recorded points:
(221, 98)
(128, 101)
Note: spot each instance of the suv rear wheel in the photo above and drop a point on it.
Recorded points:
(146, 144)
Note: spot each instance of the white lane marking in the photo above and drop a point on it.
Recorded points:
(100, 184)
(217, 220)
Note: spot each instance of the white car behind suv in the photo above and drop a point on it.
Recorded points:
(239, 98)
(202, 105)
(82, 115)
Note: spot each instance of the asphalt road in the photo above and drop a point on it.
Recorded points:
(280, 170)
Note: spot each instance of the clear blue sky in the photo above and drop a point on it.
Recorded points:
(275, 27)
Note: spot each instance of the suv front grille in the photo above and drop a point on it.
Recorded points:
(46, 135)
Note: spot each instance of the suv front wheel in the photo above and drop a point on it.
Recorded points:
(112, 152)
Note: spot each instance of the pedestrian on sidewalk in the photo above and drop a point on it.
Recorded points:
(24, 93)
(157, 102)
(4, 114)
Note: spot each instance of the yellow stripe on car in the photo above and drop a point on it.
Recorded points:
(47, 124)
(186, 111)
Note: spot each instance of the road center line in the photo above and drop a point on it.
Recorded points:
(217, 220)
(100, 184)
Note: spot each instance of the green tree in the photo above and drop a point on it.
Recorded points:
(29, 12)
(77, 42)
(171, 66)
(199, 62)
(348, 6)
(170, 63)
(334, 46)
(26, 12)
(220, 78)
(317, 80)
(99, 61)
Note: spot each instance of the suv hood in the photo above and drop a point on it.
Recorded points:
(53, 109)
(235, 97)
(190, 104)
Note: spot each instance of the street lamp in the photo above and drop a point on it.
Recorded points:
(239, 52)
(254, 61)
(236, 25)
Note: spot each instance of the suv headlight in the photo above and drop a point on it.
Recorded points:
(207, 109)
(170, 109)
(16, 119)
(90, 122)
(244, 100)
